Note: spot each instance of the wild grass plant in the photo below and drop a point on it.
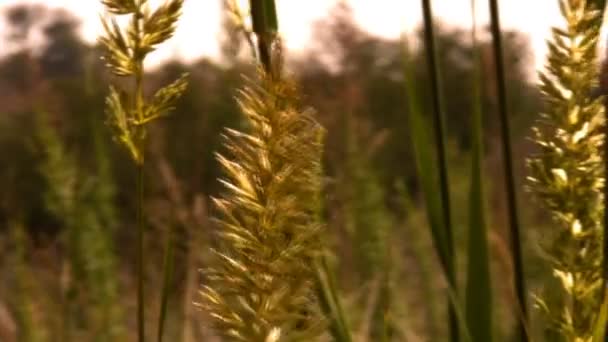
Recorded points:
(260, 287)
(129, 112)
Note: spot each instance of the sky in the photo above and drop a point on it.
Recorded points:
(199, 29)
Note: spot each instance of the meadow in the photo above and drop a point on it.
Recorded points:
(426, 188)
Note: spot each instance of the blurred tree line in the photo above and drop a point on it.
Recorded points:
(353, 79)
(347, 74)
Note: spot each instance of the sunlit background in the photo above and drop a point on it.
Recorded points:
(200, 25)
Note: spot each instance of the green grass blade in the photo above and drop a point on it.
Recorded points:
(425, 164)
(329, 301)
(460, 316)
(478, 288)
(516, 250)
(168, 263)
(440, 146)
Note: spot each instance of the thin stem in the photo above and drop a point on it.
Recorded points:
(140, 253)
(140, 141)
(439, 126)
(516, 252)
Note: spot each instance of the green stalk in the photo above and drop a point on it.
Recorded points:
(140, 140)
(516, 250)
(439, 128)
(478, 288)
(330, 302)
(265, 26)
(140, 253)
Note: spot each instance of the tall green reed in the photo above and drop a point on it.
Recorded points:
(510, 184)
(425, 163)
(129, 112)
(566, 173)
(440, 151)
(479, 287)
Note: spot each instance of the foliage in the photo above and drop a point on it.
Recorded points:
(28, 331)
(84, 206)
(566, 173)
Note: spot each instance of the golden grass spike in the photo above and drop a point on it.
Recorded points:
(566, 173)
(260, 286)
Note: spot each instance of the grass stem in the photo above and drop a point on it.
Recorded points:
(516, 251)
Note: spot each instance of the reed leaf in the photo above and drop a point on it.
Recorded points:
(440, 151)
(425, 164)
(479, 287)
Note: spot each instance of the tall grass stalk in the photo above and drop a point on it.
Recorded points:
(130, 112)
(566, 174)
(265, 26)
(479, 287)
(439, 130)
(510, 186)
